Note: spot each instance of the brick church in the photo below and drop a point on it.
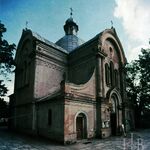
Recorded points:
(70, 89)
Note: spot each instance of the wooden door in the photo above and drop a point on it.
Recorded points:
(79, 127)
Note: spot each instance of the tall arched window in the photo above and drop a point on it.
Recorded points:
(116, 77)
(111, 52)
(112, 73)
(107, 74)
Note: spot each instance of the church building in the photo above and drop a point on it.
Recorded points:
(71, 89)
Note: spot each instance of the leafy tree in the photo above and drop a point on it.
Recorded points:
(138, 85)
(6, 60)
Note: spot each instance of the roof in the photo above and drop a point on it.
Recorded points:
(40, 38)
(69, 42)
(99, 37)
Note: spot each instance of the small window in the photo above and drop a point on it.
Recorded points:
(49, 117)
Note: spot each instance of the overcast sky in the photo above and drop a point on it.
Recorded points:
(131, 19)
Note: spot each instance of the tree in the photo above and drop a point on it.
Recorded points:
(6, 60)
(138, 85)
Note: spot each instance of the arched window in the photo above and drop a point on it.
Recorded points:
(116, 77)
(107, 74)
(111, 52)
(112, 73)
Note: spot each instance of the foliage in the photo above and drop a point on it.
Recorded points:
(138, 84)
(6, 59)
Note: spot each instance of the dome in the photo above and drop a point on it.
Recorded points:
(69, 42)
(70, 27)
(69, 20)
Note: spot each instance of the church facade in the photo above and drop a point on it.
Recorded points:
(70, 89)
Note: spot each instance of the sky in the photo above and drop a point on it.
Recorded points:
(131, 19)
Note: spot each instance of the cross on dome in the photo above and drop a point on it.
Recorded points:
(71, 12)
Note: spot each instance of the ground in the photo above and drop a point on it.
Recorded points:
(137, 140)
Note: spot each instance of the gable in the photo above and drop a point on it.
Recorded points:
(111, 45)
(25, 47)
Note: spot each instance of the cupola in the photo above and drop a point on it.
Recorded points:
(70, 41)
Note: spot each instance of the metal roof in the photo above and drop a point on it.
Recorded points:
(40, 38)
(69, 42)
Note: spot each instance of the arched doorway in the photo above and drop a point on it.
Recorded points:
(81, 126)
(116, 111)
(113, 116)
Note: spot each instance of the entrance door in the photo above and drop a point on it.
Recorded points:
(113, 123)
(81, 126)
